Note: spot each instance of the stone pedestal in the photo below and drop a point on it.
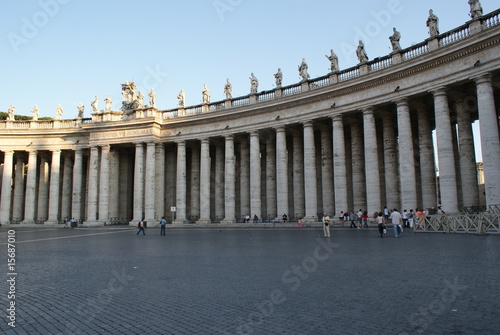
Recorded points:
(253, 98)
(475, 26)
(333, 78)
(364, 69)
(278, 92)
(433, 44)
(304, 86)
(397, 57)
(228, 103)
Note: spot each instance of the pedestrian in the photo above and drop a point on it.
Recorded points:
(140, 225)
(386, 213)
(381, 224)
(352, 217)
(359, 217)
(326, 225)
(346, 216)
(299, 223)
(255, 218)
(410, 218)
(163, 224)
(247, 218)
(365, 219)
(404, 216)
(396, 222)
(284, 218)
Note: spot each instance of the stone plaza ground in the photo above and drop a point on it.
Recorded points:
(250, 281)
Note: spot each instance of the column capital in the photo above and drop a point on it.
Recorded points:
(105, 146)
(181, 143)
(205, 140)
(307, 124)
(368, 111)
(254, 133)
(439, 91)
(280, 129)
(402, 102)
(8, 152)
(337, 118)
(229, 137)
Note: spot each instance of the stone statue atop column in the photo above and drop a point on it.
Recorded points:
(35, 111)
(129, 96)
(433, 24)
(152, 98)
(11, 111)
(109, 102)
(140, 100)
(304, 75)
(228, 90)
(181, 97)
(394, 38)
(254, 84)
(334, 61)
(361, 52)
(279, 78)
(59, 112)
(80, 108)
(94, 104)
(206, 94)
(476, 10)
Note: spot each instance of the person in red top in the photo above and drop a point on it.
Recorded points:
(364, 217)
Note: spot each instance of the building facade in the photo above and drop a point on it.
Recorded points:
(357, 138)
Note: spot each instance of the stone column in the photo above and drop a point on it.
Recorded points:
(150, 184)
(181, 184)
(311, 187)
(358, 167)
(271, 209)
(427, 162)
(104, 176)
(76, 200)
(205, 182)
(490, 142)
(406, 157)
(66, 188)
(468, 169)
(160, 181)
(374, 203)
(390, 163)
(18, 203)
(29, 209)
(281, 171)
(195, 182)
(229, 182)
(246, 163)
(446, 157)
(114, 186)
(54, 193)
(138, 184)
(255, 175)
(339, 164)
(93, 186)
(219, 181)
(6, 198)
(43, 188)
(328, 204)
(298, 174)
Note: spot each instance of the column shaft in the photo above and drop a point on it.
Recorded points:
(66, 188)
(229, 182)
(255, 175)
(328, 199)
(374, 203)
(311, 187)
(281, 172)
(150, 184)
(358, 167)
(205, 182)
(391, 164)
(93, 186)
(18, 201)
(427, 161)
(76, 200)
(104, 176)
(54, 193)
(181, 184)
(271, 208)
(298, 175)
(29, 209)
(339, 164)
(160, 181)
(6, 198)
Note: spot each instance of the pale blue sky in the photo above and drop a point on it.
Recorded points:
(68, 51)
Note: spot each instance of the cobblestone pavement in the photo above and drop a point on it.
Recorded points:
(251, 281)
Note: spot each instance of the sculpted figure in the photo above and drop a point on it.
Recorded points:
(396, 36)
(181, 96)
(109, 102)
(35, 112)
(206, 94)
(140, 100)
(80, 108)
(303, 70)
(254, 84)
(361, 53)
(334, 61)
(152, 98)
(59, 112)
(433, 24)
(11, 112)
(94, 103)
(228, 89)
(279, 77)
(476, 10)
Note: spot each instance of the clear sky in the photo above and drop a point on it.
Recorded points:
(68, 51)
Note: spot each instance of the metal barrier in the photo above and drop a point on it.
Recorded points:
(478, 223)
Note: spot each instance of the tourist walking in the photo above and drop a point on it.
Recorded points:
(352, 217)
(381, 224)
(404, 216)
(163, 224)
(396, 222)
(410, 218)
(326, 225)
(365, 219)
(140, 225)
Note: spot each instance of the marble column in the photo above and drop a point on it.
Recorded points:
(205, 182)
(150, 185)
(76, 200)
(195, 182)
(246, 162)
(358, 167)
(93, 186)
(339, 164)
(219, 181)
(229, 182)
(374, 203)
(271, 193)
(104, 176)
(427, 161)
(6, 197)
(66, 187)
(328, 200)
(114, 187)
(391, 163)
(446, 157)
(281, 172)
(29, 209)
(255, 175)
(408, 185)
(18, 200)
(54, 190)
(138, 184)
(490, 141)
(311, 187)
(43, 188)
(160, 181)
(468, 169)
(298, 174)
(181, 184)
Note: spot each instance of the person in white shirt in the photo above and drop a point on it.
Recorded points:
(396, 221)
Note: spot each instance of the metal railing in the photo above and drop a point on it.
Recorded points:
(479, 224)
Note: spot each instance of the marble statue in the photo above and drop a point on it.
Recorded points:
(129, 97)
(334, 61)
(279, 77)
(396, 36)
(254, 84)
(206, 94)
(94, 103)
(35, 112)
(80, 108)
(433, 24)
(303, 70)
(476, 10)
(140, 100)
(59, 112)
(108, 104)
(228, 89)
(361, 53)
(182, 96)
(152, 98)
(11, 112)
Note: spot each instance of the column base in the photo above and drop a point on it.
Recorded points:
(310, 219)
(52, 223)
(180, 222)
(28, 222)
(228, 221)
(92, 224)
(203, 221)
